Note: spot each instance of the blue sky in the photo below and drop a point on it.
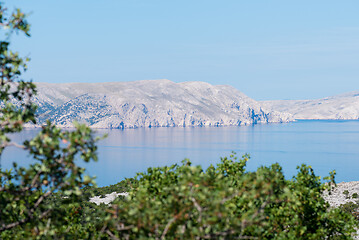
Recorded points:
(266, 49)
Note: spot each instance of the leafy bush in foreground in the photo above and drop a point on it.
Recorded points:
(186, 202)
(226, 202)
(26, 210)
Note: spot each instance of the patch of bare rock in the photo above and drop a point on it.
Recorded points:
(107, 199)
(343, 193)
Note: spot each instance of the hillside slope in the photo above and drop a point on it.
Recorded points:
(344, 106)
(149, 103)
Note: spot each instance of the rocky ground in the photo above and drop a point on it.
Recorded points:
(107, 199)
(343, 193)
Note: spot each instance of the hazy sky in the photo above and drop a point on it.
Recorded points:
(266, 49)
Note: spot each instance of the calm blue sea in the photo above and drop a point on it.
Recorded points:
(325, 145)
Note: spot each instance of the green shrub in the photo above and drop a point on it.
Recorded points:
(346, 193)
(351, 208)
(227, 202)
(27, 209)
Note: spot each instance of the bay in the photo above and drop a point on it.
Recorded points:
(326, 145)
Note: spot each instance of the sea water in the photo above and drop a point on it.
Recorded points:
(325, 145)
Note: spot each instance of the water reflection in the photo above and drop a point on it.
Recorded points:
(326, 145)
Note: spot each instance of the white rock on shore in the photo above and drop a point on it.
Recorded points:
(107, 199)
(337, 196)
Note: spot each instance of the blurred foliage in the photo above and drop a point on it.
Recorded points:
(26, 209)
(49, 198)
(351, 208)
(226, 202)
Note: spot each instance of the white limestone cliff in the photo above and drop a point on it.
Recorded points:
(344, 106)
(150, 103)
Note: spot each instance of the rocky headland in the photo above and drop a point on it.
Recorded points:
(343, 106)
(149, 103)
(163, 103)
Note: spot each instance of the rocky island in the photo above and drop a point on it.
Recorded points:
(149, 103)
(163, 103)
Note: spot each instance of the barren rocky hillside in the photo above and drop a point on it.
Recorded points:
(150, 103)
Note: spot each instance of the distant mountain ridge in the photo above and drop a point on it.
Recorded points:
(344, 106)
(150, 103)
